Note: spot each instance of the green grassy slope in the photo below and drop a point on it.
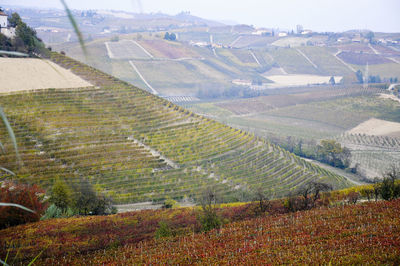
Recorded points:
(138, 147)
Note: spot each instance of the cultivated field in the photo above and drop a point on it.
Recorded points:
(326, 62)
(292, 61)
(373, 155)
(385, 70)
(312, 115)
(165, 49)
(238, 58)
(137, 147)
(291, 41)
(299, 80)
(266, 103)
(377, 127)
(126, 49)
(244, 41)
(33, 74)
(354, 48)
(180, 77)
(363, 58)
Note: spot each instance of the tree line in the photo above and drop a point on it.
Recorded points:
(25, 41)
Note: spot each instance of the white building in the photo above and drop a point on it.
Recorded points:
(9, 32)
(3, 19)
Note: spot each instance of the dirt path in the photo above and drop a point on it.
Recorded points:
(109, 52)
(394, 60)
(143, 79)
(373, 49)
(378, 53)
(144, 50)
(255, 58)
(235, 41)
(343, 62)
(212, 46)
(308, 59)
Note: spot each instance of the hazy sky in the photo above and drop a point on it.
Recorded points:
(319, 15)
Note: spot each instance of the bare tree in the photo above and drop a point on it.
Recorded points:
(388, 188)
(263, 201)
(311, 192)
(209, 218)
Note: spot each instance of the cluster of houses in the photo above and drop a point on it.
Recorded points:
(246, 30)
(5, 29)
(359, 38)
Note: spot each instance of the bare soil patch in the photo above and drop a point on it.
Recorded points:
(377, 127)
(20, 74)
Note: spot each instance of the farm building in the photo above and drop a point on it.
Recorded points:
(4, 28)
(3, 19)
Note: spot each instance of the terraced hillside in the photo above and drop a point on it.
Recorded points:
(373, 155)
(138, 147)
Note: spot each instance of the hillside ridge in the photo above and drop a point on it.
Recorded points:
(66, 122)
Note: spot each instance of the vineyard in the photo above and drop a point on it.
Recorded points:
(126, 49)
(362, 58)
(275, 102)
(137, 147)
(366, 233)
(326, 62)
(293, 62)
(171, 50)
(373, 155)
(362, 140)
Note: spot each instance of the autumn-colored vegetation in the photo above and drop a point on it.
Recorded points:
(348, 234)
(71, 236)
(365, 234)
(137, 147)
(26, 195)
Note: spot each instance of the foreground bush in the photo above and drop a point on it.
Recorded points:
(28, 196)
(81, 199)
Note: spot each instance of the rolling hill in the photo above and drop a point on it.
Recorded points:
(137, 147)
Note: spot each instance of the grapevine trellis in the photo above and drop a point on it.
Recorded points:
(100, 133)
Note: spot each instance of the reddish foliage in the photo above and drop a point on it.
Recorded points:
(363, 234)
(25, 195)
